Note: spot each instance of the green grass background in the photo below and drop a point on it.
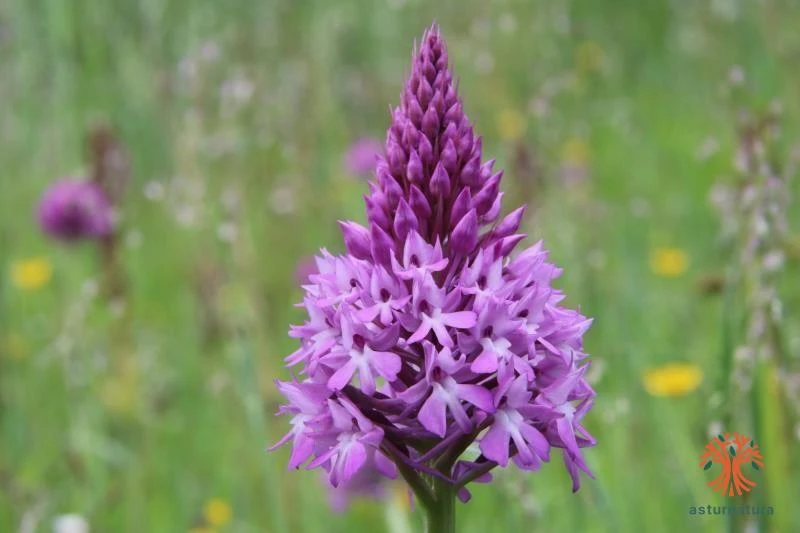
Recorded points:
(133, 418)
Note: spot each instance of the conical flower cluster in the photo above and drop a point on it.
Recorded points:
(427, 337)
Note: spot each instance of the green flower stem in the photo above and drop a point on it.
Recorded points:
(440, 514)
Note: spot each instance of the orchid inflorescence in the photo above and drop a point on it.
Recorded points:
(426, 337)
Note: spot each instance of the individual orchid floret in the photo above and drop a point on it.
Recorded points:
(355, 356)
(419, 258)
(440, 392)
(357, 441)
(386, 297)
(515, 421)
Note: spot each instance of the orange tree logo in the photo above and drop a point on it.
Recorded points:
(732, 452)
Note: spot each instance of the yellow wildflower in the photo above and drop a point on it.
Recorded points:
(672, 379)
(589, 57)
(575, 152)
(217, 512)
(31, 274)
(511, 125)
(669, 262)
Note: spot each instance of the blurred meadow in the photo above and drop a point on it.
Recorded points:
(623, 125)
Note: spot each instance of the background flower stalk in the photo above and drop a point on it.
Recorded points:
(110, 173)
(755, 230)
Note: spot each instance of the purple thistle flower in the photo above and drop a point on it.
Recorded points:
(362, 155)
(426, 336)
(70, 210)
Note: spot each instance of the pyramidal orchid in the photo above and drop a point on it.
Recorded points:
(429, 351)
